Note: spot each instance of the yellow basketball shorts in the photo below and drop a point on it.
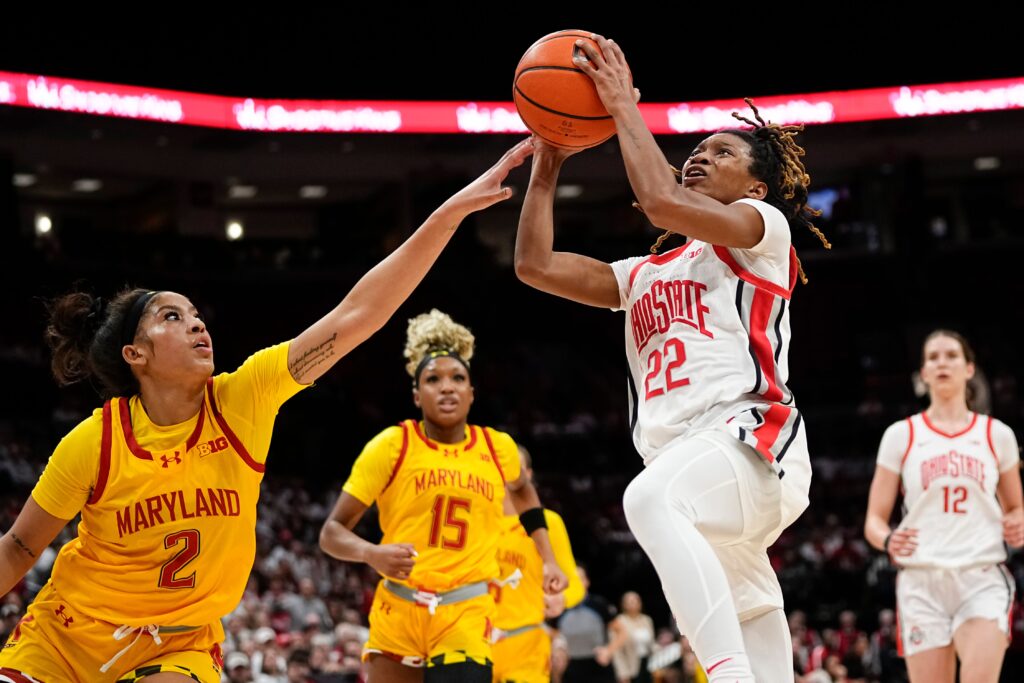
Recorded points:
(525, 658)
(408, 633)
(55, 642)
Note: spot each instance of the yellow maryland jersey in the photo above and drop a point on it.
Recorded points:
(445, 499)
(168, 512)
(524, 605)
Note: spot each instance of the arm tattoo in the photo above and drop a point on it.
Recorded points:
(312, 357)
(21, 544)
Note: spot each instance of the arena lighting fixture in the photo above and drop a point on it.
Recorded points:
(24, 179)
(242, 191)
(568, 191)
(312, 191)
(86, 185)
(234, 230)
(986, 163)
(404, 116)
(43, 224)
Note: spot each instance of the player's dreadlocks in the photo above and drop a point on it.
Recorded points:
(435, 334)
(776, 162)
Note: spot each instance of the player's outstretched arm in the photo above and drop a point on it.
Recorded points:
(379, 293)
(394, 560)
(665, 202)
(20, 547)
(571, 276)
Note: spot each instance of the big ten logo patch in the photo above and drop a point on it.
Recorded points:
(210, 447)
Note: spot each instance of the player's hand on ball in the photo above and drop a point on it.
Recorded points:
(394, 560)
(554, 578)
(610, 72)
(1013, 528)
(902, 544)
(487, 189)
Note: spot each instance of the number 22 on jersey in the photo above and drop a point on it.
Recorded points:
(672, 355)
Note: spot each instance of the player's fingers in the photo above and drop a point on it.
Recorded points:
(584, 65)
(590, 52)
(613, 53)
(636, 94)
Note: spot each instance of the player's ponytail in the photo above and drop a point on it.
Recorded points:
(84, 334)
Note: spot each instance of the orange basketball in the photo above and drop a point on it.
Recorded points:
(555, 99)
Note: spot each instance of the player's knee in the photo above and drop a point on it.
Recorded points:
(645, 506)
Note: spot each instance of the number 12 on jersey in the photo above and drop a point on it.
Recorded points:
(953, 499)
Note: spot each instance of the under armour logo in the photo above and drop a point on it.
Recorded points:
(68, 619)
(176, 459)
(454, 453)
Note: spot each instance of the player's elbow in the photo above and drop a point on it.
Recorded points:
(530, 271)
(661, 210)
(325, 536)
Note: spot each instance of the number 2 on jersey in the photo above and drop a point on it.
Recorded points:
(954, 503)
(444, 515)
(654, 365)
(169, 573)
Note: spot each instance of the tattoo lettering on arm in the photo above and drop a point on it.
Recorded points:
(21, 544)
(312, 357)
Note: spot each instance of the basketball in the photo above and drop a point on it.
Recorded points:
(555, 99)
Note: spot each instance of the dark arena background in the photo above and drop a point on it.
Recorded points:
(925, 213)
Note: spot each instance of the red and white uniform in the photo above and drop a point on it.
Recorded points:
(707, 338)
(949, 495)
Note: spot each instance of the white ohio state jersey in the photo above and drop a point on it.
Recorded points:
(949, 488)
(707, 338)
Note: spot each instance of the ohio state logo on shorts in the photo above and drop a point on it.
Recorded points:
(916, 636)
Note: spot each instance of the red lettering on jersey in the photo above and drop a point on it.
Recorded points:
(217, 502)
(141, 522)
(153, 508)
(666, 303)
(185, 514)
(511, 557)
(202, 507)
(169, 504)
(454, 479)
(124, 522)
(234, 503)
(952, 464)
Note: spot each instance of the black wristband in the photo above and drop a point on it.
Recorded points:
(885, 543)
(533, 519)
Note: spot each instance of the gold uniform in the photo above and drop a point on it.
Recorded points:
(525, 657)
(446, 500)
(167, 535)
